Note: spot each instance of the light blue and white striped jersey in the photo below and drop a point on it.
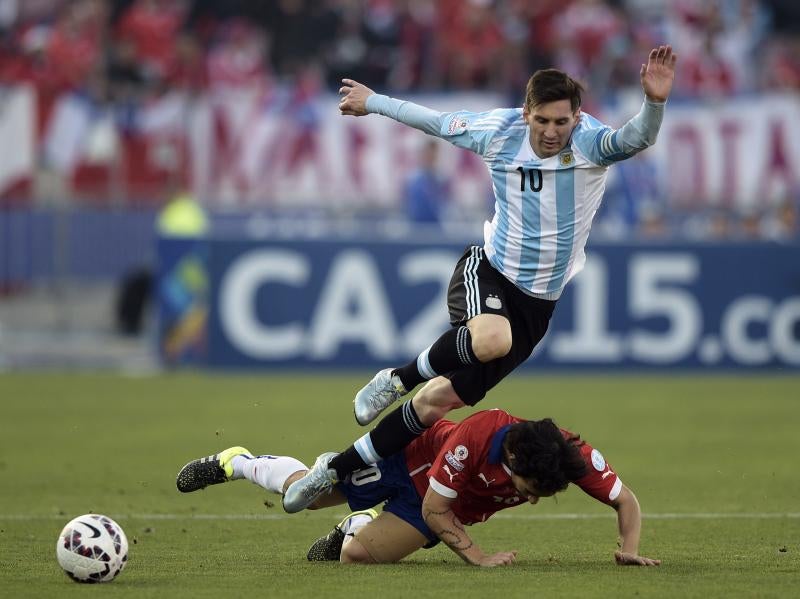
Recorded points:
(543, 206)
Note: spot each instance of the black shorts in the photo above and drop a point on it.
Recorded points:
(478, 288)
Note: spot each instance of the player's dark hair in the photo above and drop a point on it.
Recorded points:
(551, 85)
(542, 454)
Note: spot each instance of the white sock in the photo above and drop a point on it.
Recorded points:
(237, 472)
(268, 471)
(353, 525)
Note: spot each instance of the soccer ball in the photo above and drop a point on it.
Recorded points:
(92, 548)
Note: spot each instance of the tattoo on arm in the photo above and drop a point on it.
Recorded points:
(453, 533)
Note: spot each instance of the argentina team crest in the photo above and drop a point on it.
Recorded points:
(493, 302)
(566, 159)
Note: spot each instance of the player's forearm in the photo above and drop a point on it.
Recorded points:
(641, 131)
(629, 520)
(446, 525)
(405, 112)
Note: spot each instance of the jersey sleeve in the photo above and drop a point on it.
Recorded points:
(603, 145)
(601, 482)
(463, 452)
(475, 130)
(469, 130)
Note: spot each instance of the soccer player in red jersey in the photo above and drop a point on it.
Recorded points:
(452, 476)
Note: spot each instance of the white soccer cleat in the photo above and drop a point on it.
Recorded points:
(377, 395)
(304, 491)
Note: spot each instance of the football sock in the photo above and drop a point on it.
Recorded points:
(451, 351)
(353, 525)
(268, 471)
(399, 428)
(237, 472)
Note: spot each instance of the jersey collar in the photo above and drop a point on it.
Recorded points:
(496, 448)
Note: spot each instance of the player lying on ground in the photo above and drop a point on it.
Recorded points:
(453, 475)
(548, 162)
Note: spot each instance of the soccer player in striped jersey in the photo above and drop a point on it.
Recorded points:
(548, 163)
(454, 475)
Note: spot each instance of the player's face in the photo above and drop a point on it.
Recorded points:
(527, 488)
(551, 125)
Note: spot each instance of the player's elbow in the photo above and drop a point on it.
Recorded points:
(626, 500)
(648, 140)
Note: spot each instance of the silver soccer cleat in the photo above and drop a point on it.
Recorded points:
(377, 395)
(304, 491)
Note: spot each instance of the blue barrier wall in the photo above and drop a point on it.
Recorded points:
(340, 303)
(84, 244)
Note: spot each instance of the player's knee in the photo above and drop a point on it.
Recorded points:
(295, 476)
(353, 552)
(492, 343)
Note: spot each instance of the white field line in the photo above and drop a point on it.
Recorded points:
(329, 515)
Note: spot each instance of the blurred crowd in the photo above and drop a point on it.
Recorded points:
(123, 47)
(125, 52)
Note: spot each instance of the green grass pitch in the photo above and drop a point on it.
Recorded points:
(713, 460)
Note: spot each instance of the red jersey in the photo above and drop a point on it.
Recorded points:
(463, 461)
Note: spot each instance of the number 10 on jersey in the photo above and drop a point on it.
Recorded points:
(534, 178)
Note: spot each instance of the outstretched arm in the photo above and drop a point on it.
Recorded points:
(658, 74)
(438, 515)
(455, 127)
(656, 77)
(605, 146)
(629, 519)
(354, 98)
(359, 100)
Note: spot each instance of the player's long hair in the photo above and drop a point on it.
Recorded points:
(542, 454)
(551, 85)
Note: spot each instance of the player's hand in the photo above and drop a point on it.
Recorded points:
(659, 73)
(354, 97)
(631, 559)
(504, 558)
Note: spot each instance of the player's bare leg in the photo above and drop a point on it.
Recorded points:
(329, 547)
(435, 400)
(491, 336)
(385, 540)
